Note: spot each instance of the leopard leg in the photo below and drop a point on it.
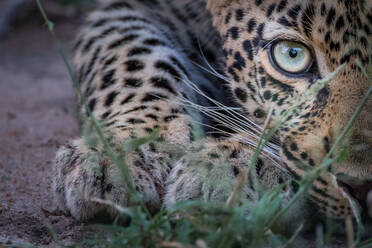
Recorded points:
(212, 171)
(131, 76)
(82, 175)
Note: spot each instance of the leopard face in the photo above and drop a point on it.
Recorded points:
(275, 51)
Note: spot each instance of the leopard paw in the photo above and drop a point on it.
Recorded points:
(82, 175)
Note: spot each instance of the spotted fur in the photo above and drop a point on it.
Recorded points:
(137, 62)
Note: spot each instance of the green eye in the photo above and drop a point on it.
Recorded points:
(292, 57)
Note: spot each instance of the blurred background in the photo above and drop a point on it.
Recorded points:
(37, 115)
(15, 12)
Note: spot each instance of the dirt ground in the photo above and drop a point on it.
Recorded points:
(36, 117)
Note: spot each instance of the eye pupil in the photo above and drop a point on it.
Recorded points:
(293, 53)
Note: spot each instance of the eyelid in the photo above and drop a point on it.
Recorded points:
(273, 33)
(289, 39)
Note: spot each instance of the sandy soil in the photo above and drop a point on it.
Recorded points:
(36, 117)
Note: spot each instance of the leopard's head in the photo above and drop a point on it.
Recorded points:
(277, 51)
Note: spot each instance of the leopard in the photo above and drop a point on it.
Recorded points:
(210, 77)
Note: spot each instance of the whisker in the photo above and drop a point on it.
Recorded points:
(247, 131)
(220, 116)
(234, 113)
(267, 152)
(211, 70)
(233, 126)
